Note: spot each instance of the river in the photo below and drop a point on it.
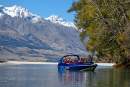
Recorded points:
(39, 75)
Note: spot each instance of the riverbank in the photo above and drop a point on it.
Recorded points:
(51, 63)
(26, 62)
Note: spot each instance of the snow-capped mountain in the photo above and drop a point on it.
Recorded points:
(26, 36)
(17, 11)
(58, 20)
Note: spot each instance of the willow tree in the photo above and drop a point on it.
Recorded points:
(106, 23)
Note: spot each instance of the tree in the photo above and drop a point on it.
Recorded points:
(106, 23)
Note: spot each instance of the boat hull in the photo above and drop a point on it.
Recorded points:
(80, 67)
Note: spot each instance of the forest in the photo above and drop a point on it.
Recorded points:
(107, 25)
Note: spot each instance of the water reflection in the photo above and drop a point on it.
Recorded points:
(99, 78)
(109, 78)
(49, 76)
(75, 79)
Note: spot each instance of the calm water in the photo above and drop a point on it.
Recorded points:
(49, 76)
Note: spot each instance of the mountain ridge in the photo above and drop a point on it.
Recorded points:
(33, 38)
(18, 11)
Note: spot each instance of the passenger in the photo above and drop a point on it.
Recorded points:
(85, 60)
(90, 59)
(80, 61)
(68, 60)
(75, 61)
(65, 60)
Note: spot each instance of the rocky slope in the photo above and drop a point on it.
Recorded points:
(26, 36)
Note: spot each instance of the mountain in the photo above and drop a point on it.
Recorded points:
(58, 20)
(26, 36)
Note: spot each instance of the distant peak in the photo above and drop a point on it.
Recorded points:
(16, 10)
(19, 11)
(60, 20)
(54, 18)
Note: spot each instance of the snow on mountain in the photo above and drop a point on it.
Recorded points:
(26, 36)
(17, 11)
(1, 14)
(58, 20)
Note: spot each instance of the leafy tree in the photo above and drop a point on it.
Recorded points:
(106, 23)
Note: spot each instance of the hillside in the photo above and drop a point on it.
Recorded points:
(26, 36)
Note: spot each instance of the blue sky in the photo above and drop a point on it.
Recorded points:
(44, 8)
